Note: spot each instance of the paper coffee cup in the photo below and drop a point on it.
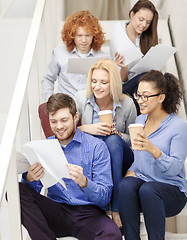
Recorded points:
(106, 116)
(135, 128)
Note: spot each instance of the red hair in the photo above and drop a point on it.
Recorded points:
(90, 24)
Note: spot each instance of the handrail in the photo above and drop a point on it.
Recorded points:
(9, 134)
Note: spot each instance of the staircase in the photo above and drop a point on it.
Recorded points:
(13, 34)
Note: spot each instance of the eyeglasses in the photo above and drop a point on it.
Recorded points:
(143, 97)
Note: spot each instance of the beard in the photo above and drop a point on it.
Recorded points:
(66, 135)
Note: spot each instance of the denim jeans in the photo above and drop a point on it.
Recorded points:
(121, 159)
(156, 200)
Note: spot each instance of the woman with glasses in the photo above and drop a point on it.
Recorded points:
(155, 183)
(104, 92)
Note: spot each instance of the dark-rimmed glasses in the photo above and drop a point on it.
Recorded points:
(143, 97)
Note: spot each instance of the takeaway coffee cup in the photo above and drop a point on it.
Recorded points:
(135, 128)
(106, 116)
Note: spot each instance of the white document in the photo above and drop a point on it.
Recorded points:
(121, 43)
(155, 58)
(82, 65)
(50, 154)
(22, 163)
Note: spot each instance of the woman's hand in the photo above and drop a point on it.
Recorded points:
(76, 174)
(103, 129)
(142, 143)
(120, 60)
(115, 131)
(35, 172)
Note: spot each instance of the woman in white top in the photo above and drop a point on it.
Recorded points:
(142, 31)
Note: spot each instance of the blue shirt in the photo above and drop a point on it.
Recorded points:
(68, 83)
(92, 155)
(171, 139)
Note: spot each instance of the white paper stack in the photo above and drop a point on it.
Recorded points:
(51, 156)
(155, 58)
(82, 65)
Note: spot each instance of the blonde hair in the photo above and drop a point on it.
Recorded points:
(114, 78)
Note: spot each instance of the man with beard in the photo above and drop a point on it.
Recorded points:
(78, 211)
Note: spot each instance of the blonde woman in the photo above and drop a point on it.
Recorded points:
(104, 92)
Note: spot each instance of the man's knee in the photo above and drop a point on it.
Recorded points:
(111, 231)
(26, 192)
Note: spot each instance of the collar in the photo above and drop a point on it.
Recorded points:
(92, 102)
(90, 53)
(116, 105)
(138, 38)
(77, 136)
(145, 116)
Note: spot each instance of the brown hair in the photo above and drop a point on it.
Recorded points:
(60, 100)
(91, 25)
(149, 37)
(167, 84)
(114, 77)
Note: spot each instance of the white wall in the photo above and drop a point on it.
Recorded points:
(177, 11)
(21, 9)
(4, 5)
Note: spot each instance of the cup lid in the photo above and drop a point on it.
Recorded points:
(136, 125)
(104, 112)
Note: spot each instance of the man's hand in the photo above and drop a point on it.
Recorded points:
(35, 172)
(76, 174)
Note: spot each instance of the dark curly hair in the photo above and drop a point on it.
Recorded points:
(91, 25)
(169, 85)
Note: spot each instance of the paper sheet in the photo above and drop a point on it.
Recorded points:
(22, 163)
(155, 58)
(82, 65)
(50, 154)
(121, 43)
